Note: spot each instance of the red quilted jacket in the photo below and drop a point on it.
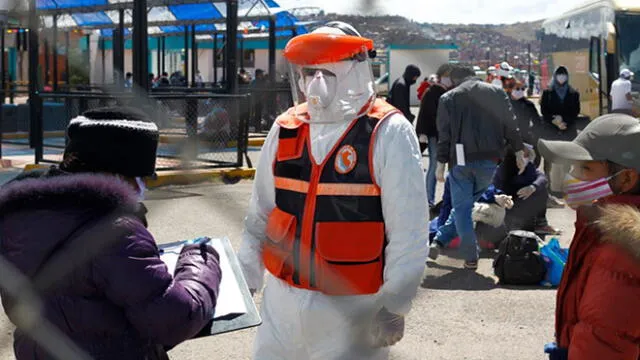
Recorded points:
(598, 304)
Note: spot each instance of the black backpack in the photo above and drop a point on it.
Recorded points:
(519, 261)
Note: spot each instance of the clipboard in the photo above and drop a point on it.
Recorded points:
(240, 322)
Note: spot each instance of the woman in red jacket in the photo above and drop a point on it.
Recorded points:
(598, 301)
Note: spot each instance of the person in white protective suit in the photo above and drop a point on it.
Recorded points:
(338, 212)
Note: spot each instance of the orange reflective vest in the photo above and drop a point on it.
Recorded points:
(327, 232)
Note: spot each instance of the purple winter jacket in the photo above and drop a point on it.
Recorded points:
(118, 301)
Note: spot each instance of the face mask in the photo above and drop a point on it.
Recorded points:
(320, 91)
(561, 79)
(517, 94)
(142, 188)
(446, 81)
(579, 193)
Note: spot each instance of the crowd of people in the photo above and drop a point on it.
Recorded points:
(338, 219)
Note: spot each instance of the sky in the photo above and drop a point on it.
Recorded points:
(446, 11)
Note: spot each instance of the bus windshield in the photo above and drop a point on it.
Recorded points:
(629, 42)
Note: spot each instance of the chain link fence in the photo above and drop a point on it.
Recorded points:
(268, 104)
(196, 130)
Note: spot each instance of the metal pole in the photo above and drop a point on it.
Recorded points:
(88, 56)
(3, 66)
(140, 45)
(194, 56)
(186, 54)
(215, 58)
(36, 135)
(272, 50)
(231, 46)
(67, 43)
(104, 60)
(46, 61)
(224, 59)
(119, 54)
(55, 53)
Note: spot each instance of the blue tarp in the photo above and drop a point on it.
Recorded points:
(195, 11)
(91, 19)
(66, 4)
(179, 12)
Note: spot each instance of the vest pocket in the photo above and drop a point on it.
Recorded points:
(277, 250)
(349, 257)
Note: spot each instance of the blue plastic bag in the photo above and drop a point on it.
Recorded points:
(555, 259)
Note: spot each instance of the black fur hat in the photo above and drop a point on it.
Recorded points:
(117, 140)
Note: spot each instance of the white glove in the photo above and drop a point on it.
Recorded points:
(388, 328)
(526, 192)
(559, 122)
(521, 161)
(423, 139)
(504, 201)
(440, 172)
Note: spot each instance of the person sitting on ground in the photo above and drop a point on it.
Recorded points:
(488, 211)
(164, 80)
(78, 234)
(529, 193)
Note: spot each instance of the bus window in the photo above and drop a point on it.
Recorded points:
(594, 58)
(629, 43)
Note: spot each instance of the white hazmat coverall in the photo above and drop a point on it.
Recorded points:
(303, 324)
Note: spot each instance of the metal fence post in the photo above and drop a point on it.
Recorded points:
(191, 122)
(35, 102)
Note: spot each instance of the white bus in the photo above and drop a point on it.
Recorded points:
(594, 41)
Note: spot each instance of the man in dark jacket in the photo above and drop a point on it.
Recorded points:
(474, 120)
(399, 95)
(426, 127)
(77, 237)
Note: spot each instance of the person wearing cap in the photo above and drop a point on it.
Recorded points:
(491, 74)
(79, 231)
(399, 94)
(598, 302)
(427, 128)
(621, 99)
(338, 211)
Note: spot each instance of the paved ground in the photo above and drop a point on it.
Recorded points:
(457, 315)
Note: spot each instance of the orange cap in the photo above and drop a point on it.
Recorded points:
(318, 48)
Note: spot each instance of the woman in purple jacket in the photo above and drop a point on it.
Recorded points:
(78, 234)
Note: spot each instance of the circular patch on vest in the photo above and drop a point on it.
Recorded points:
(346, 159)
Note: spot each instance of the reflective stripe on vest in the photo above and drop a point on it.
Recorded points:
(327, 230)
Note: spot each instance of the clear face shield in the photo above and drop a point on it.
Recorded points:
(333, 91)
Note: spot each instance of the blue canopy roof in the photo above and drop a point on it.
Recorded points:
(164, 15)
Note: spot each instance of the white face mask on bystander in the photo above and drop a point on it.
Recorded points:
(517, 94)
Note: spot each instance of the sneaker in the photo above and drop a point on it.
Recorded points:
(434, 250)
(471, 265)
(554, 203)
(547, 230)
